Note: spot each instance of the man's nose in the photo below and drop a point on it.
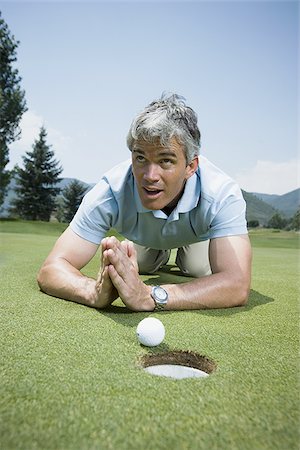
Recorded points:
(151, 172)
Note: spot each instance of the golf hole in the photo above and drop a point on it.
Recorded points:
(178, 364)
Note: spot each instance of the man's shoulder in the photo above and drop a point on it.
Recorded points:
(119, 175)
(215, 183)
(111, 185)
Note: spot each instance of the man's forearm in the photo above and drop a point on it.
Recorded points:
(219, 290)
(61, 279)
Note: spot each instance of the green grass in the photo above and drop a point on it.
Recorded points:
(32, 227)
(70, 375)
(266, 238)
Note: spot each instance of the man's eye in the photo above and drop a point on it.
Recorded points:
(140, 158)
(166, 161)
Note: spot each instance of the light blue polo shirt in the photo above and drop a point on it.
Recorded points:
(211, 206)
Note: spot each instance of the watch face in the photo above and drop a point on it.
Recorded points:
(160, 294)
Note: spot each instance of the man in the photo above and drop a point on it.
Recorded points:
(164, 198)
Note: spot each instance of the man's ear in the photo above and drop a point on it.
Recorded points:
(192, 167)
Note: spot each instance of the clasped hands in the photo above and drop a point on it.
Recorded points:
(119, 277)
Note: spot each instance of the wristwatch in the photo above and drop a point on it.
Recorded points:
(160, 297)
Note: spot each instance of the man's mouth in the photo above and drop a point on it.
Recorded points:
(151, 192)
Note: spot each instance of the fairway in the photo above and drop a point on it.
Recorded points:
(71, 376)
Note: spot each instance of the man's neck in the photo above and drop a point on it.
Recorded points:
(172, 205)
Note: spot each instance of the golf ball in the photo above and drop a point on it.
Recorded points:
(150, 332)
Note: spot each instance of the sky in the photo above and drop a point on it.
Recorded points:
(88, 68)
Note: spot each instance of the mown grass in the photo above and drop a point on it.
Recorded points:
(32, 227)
(269, 238)
(70, 375)
(261, 237)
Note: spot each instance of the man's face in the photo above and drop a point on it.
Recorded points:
(160, 173)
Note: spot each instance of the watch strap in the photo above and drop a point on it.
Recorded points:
(159, 303)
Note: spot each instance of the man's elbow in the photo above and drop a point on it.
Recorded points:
(242, 293)
(41, 278)
(243, 297)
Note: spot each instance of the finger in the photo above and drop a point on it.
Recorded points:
(115, 245)
(132, 254)
(106, 281)
(105, 258)
(120, 261)
(104, 244)
(104, 278)
(124, 245)
(106, 290)
(112, 242)
(131, 250)
(103, 248)
(128, 247)
(99, 278)
(104, 263)
(117, 280)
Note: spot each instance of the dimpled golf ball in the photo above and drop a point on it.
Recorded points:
(150, 332)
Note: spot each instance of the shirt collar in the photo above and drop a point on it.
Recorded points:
(191, 194)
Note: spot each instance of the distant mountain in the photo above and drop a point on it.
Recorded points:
(66, 181)
(257, 209)
(260, 207)
(286, 204)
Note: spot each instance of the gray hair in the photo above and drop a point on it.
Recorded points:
(164, 119)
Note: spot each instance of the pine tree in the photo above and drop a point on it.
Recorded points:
(277, 222)
(295, 222)
(72, 197)
(12, 101)
(36, 191)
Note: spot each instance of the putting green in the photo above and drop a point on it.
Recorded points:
(71, 375)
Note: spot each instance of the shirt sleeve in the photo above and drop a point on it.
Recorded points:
(230, 217)
(96, 214)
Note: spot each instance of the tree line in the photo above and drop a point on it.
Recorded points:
(278, 222)
(37, 192)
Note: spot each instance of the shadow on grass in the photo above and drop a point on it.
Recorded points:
(123, 315)
(171, 275)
